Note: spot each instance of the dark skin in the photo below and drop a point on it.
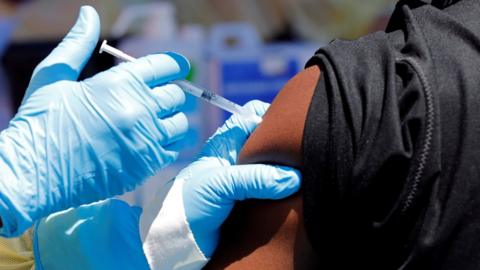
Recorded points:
(270, 234)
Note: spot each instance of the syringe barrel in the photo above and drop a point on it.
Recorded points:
(234, 108)
(208, 96)
(189, 87)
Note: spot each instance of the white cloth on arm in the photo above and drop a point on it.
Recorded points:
(168, 241)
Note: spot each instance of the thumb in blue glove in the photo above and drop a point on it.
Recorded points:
(209, 199)
(74, 142)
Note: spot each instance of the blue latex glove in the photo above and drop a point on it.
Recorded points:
(106, 235)
(102, 235)
(213, 183)
(73, 142)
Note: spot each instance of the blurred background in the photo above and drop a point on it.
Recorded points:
(242, 49)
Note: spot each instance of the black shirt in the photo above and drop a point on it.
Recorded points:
(392, 144)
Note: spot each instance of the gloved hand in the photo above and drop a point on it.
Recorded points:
(102, 235)
(74, 142)
(205, 192)
(213, 183)
(106, 235)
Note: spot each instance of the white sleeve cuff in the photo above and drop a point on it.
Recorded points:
(169, 242)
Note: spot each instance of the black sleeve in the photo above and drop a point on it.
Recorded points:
(443, 3)
(391, 144)
(397, 18)
(365, 127)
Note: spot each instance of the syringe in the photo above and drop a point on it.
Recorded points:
(189, 87)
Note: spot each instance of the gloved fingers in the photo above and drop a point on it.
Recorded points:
(229, 139)
(247, 125)
(152, 70)
(259, 181)
(170, 98)
(67, 60)
(173, 128)
(257, 106)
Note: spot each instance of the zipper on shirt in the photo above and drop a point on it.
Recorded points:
(415, 180)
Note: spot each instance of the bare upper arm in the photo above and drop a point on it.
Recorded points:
(270, 234)
(278, 139)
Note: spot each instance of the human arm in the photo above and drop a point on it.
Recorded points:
(271, 234)
(361, 138)
(278, 139)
